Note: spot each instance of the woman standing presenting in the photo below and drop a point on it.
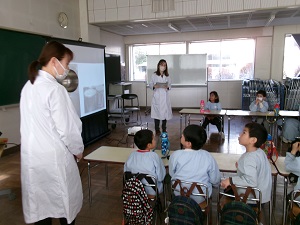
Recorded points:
(50, 141)
(161, 104)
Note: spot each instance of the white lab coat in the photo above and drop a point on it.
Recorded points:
(50, 137)
(161, 105)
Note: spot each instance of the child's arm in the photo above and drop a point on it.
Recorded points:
(253, 107)
(264, 106)
(172, 164)
(160, 169)
(214, 172)
(247, 173)
(291, 162)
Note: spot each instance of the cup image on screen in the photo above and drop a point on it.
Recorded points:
(100, 96)
(90, 99)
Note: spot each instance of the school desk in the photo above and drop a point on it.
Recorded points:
(269, 116)
(110, 155)
(186, 113)
(119, 155)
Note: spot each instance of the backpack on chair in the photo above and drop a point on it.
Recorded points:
(136, 206)
(238, 212)
(184, 211)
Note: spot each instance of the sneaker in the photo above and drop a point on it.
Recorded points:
(222, 135)
(285, 140)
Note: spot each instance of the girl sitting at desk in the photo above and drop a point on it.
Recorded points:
(214, 104)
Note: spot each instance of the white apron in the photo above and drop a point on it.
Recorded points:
(161, 105)
(50, 137)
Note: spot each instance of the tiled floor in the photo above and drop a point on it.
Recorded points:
(107, 205)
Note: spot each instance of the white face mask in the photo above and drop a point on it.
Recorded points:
(61, 76)
(259, 98)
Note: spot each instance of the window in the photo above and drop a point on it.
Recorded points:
(291, 64)
(138, 57)
(226, 59)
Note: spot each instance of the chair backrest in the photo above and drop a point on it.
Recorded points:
(187, 188)
(294, 206)
(130, 101)
(183, 208)
(236, 209)
(147, 180)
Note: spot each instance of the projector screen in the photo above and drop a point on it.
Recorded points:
(88, 64)
(189, 69)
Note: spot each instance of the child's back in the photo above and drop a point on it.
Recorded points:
(254, 170)
(194, 165)
(145, 161)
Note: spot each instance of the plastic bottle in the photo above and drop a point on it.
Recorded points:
(276, 109)
(202, 105)
(165, 144)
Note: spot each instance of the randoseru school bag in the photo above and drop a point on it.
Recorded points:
(237, 212)
(136, 206)
(184, 211)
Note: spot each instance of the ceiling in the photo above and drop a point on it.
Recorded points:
(261, 18)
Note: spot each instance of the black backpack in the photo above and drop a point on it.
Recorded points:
(184, 211)
(136, 206)
(238, 212)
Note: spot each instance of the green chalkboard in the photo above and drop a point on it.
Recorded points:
(17, 51)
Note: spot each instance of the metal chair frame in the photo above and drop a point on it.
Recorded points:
(292, 204)
(194, 193)
(134, 106)
(255, 199)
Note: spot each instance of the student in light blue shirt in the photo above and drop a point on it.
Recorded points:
(145, 161)
(292, 162)
(260, 105)
(214, 104)
(194, 164)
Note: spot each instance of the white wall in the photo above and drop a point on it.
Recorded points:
(114, 44)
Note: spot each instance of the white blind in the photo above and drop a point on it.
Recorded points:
(162, 5)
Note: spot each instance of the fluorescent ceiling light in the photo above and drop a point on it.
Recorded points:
(129, 26)
(271, 18)
(173, 27)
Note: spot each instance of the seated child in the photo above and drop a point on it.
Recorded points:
(145, 161)
(214, 104)
(260, 105)
(194, 164)
(253, 167)
(292, 162)
(290, 129)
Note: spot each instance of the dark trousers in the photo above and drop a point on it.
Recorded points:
(215, 121)
(48, 221)
(163, 126)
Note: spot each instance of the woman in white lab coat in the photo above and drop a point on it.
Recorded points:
(50, 141)
(161, 104)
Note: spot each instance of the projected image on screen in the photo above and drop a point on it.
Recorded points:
(88, 64)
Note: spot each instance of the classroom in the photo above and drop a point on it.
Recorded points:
(121, 26)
